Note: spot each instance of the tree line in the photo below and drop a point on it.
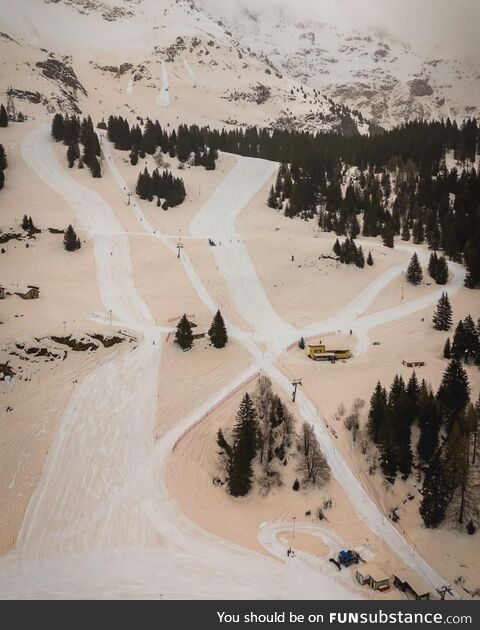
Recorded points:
(259, 444)
(185, 143)
(403, 187)
(446, 450)
(73, 132)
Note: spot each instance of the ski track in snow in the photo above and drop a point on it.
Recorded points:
(102, 491)
(163, 97)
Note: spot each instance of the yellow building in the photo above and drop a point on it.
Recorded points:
(318, 352)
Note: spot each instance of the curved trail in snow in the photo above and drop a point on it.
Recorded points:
(94, 521)
(216, 220)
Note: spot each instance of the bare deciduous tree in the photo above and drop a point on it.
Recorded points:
(312, 464)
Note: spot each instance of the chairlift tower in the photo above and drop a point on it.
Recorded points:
(296, 382)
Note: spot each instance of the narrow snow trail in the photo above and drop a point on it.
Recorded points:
(216, 220)
(110, 415)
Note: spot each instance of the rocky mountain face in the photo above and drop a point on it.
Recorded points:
(384, 78)
(219, 68)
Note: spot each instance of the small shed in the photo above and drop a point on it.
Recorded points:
(2, 293)
(413, 364)
(410, 583)
(33, 293)
(373, 575)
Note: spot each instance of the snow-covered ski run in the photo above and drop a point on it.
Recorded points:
(94, 521)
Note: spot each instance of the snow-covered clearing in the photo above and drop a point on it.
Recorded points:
(130, 85)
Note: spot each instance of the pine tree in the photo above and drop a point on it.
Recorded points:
(442, 318)
(435, 494)
(58, 127)
(337, 248)
(369, 259)
(405, 232)
(301, 343)
(3, 116)
(377, 414)
(25, 222)
(447, 349)
(184, 335)
(471, 340)
(2, 178)
(442, 271)
(414, 271)
(240, 470)
(360, 258)
(460, 342)
(428, 422)
(272, 199)
(73, 153)
(71, 242)
(454, 393)
(433, 265)
(388, 235)
(3, 158)
(218, 332)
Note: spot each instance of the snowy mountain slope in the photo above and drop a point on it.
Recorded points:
(372, 71)
(223, 66)
(128, 56)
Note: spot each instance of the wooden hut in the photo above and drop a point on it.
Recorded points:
(410, 583)
(373, 575)
(33, 293)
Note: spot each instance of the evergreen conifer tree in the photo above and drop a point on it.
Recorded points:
(405, 232)
(435, 494)
(442, 317)
(240, 470)
(377, 414)
(272, 199)
(3, 116)
(301, 343)
(442, 271)
(414, 271)
(218, 332)
(58, 127)
(184, 335)
(71, 242)
(3, 158)
(454, 393)
(447, 349)
(369, 259)
(73, 153)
